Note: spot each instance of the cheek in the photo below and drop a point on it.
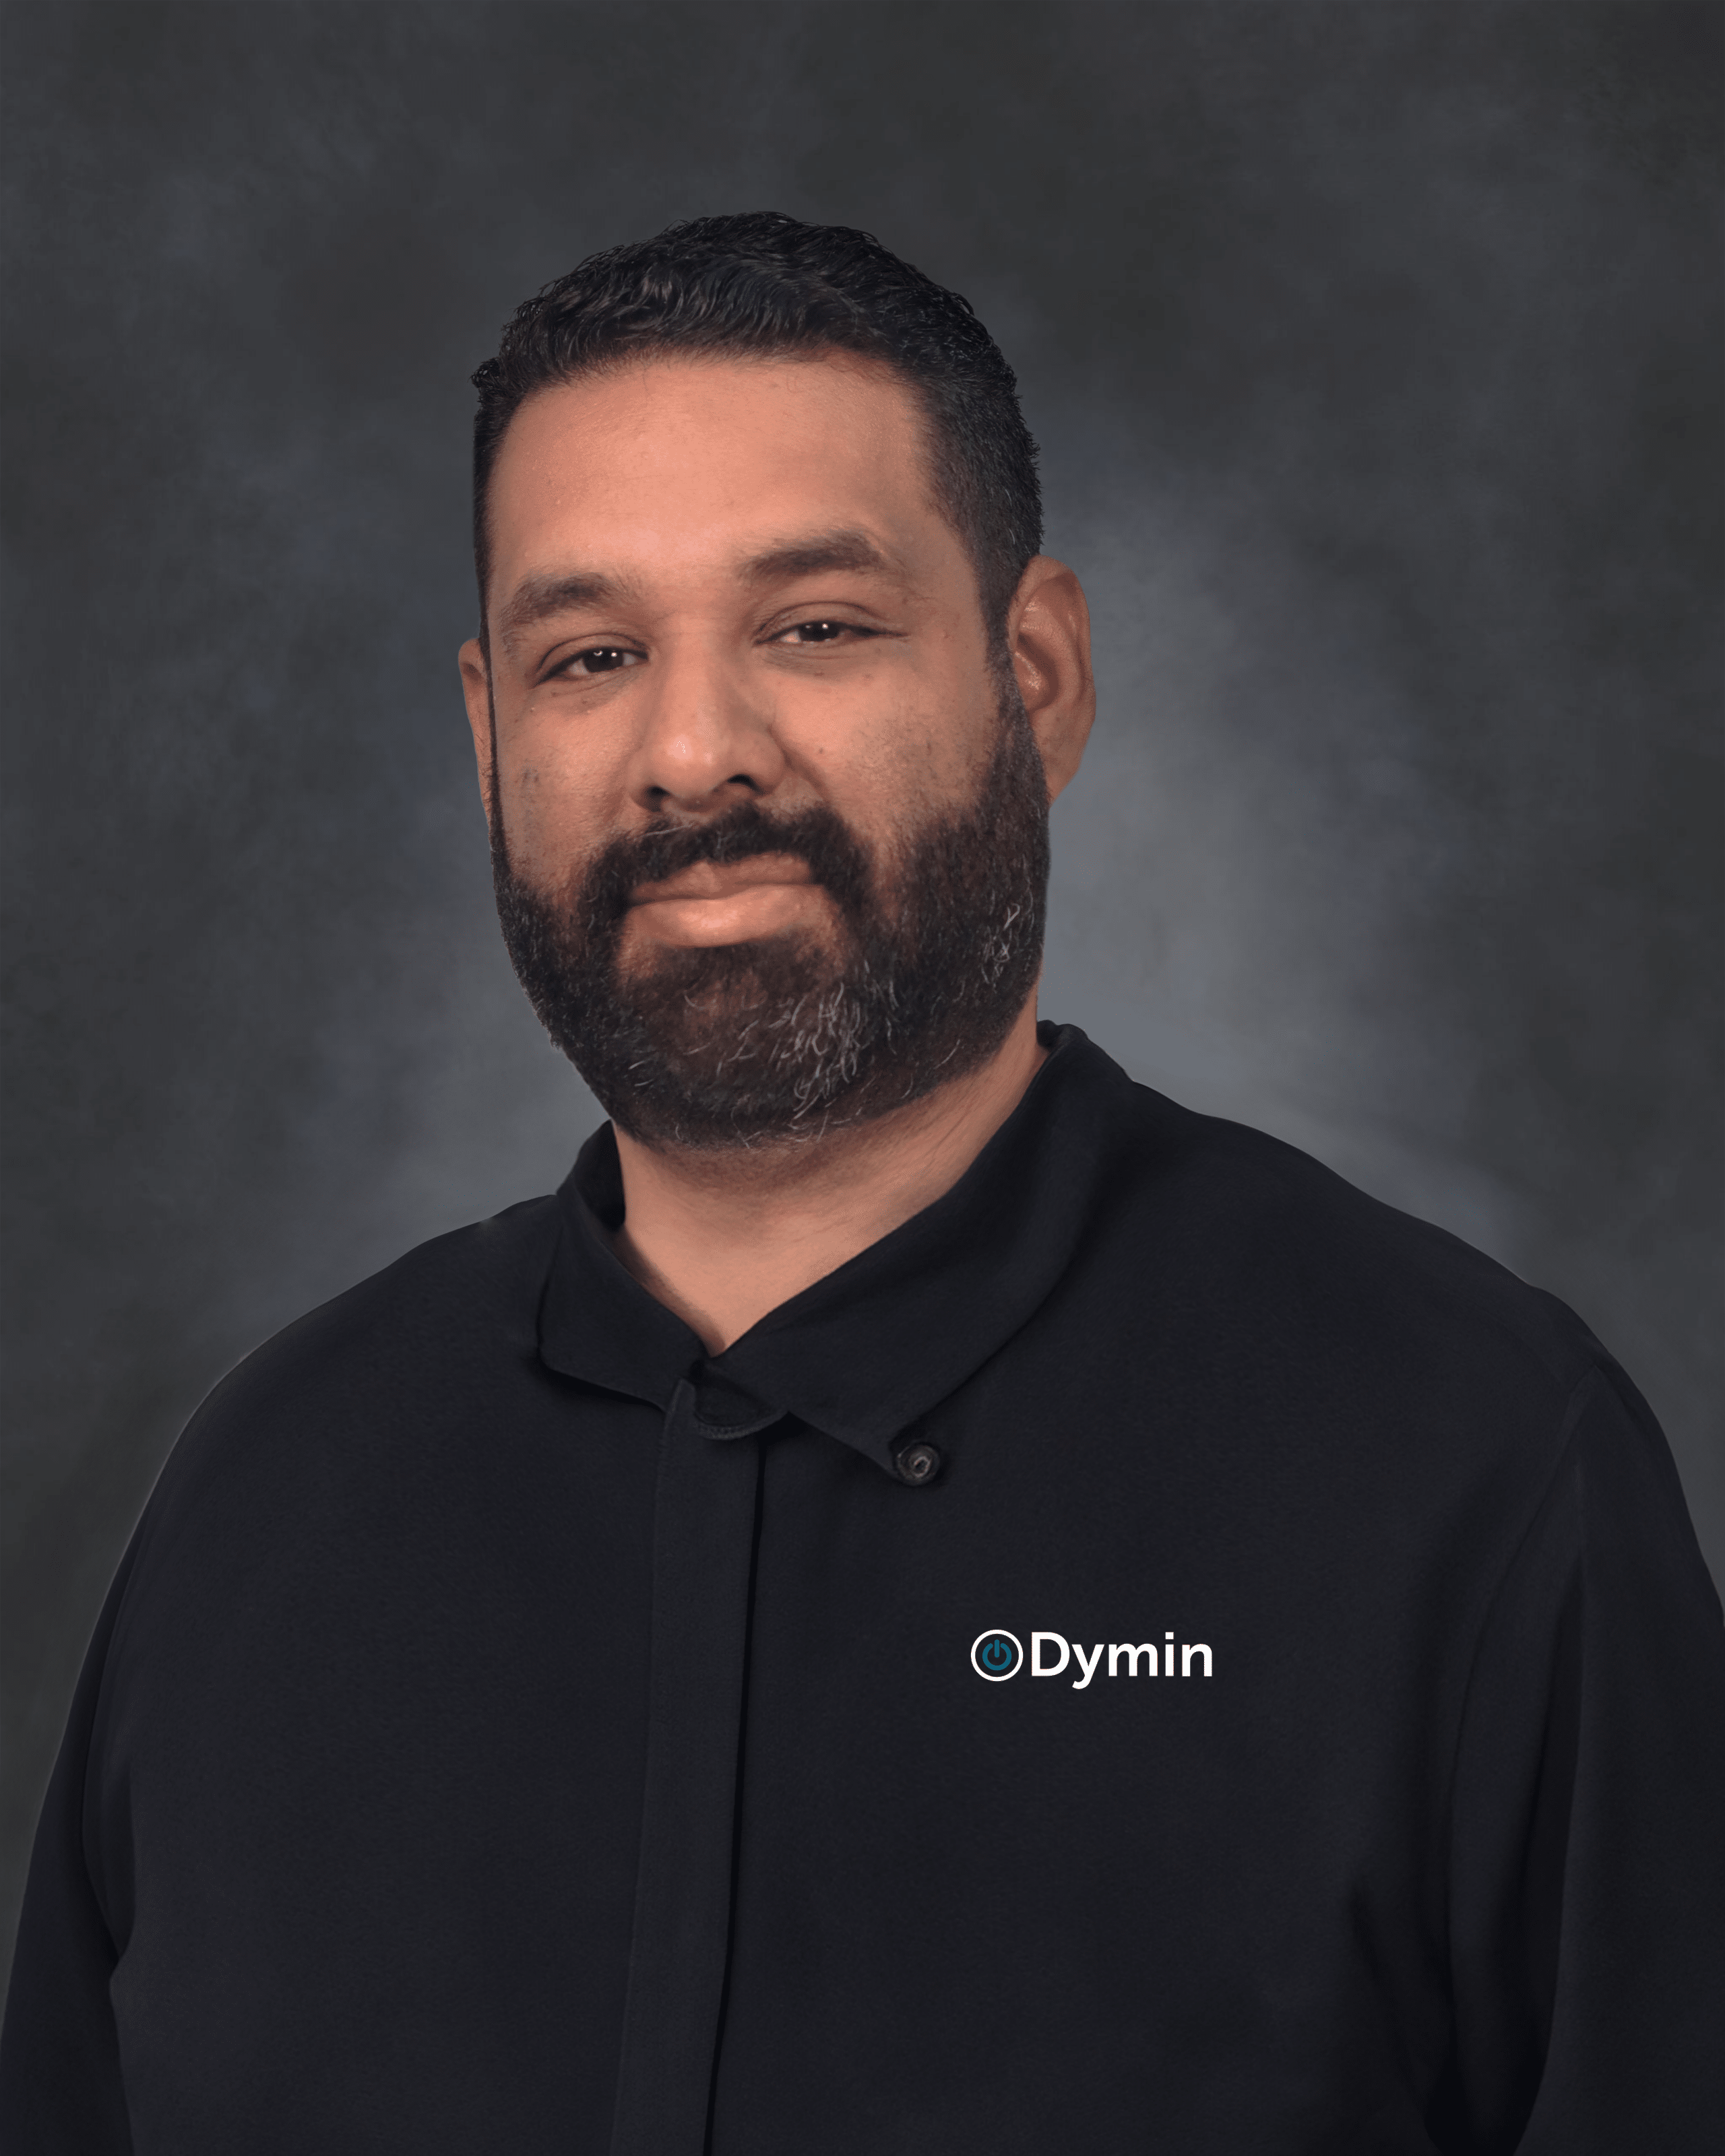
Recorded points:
(555, 803)
(546, 830)
(920, 756)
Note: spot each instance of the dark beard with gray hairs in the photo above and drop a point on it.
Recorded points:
(790, 1037)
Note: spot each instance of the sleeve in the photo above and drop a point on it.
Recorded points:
(61, 2091)
(1587, 1882)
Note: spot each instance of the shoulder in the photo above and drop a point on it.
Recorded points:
(1379, 1355)
(477, 1283)
(1399, 1376)
(377, 1369)
(1276, 1225)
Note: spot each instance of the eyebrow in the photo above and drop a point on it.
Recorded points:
(811, 557)
(539, 598)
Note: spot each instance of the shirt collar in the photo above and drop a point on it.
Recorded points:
(867, 1350)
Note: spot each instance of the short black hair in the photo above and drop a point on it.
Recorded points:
(762, 283)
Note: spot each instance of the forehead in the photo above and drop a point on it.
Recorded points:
(677, 460)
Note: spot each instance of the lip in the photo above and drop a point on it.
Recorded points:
(709, 880)
(740, 903)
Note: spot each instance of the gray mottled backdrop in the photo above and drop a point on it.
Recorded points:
(1374, 352)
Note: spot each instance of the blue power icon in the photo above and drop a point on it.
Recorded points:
(996, 1655)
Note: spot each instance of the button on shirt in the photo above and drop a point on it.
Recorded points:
(1161, 1651)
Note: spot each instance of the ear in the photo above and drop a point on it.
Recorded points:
(1047, 635)
(476, 688)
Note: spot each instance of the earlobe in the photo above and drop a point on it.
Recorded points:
(1048, 634)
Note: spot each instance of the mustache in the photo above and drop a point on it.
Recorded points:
(816, 835)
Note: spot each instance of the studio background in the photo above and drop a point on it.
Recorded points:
(1373, 350)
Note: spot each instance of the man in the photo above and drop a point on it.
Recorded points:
(930, 1600)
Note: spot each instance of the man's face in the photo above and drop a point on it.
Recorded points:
(766, 816)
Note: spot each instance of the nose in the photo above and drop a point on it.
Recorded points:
(705, 741)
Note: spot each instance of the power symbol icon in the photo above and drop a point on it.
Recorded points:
(996, 1655)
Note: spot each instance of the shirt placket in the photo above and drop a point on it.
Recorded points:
(705, 1536)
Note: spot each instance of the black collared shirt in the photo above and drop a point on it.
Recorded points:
(1161, 1652)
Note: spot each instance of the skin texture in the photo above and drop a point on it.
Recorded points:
(693, 520)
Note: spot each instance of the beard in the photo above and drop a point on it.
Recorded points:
(793, 1036)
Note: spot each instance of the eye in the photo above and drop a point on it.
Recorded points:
(603, 658)
(819, 631)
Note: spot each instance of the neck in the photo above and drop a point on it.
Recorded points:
(722, 1237)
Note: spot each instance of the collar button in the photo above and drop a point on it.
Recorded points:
(917, 1463)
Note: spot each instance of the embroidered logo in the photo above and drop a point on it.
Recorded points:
(996, 1655)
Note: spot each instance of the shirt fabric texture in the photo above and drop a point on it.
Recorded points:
(513, 1728)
